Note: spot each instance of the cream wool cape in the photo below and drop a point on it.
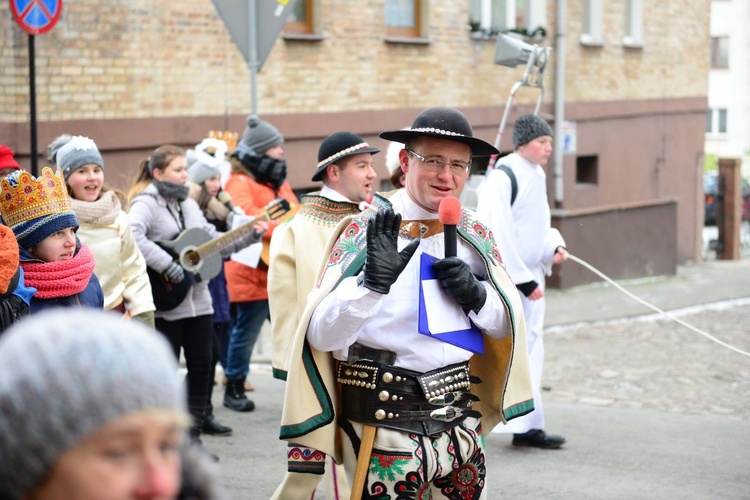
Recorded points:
(297, 251)
(311, 400)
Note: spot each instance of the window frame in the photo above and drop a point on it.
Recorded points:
(634, 25)
(593, 24)
(716, 59)
(405, 32)
(303, 28)
(715, 118)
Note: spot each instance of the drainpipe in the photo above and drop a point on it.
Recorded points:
(559, 100)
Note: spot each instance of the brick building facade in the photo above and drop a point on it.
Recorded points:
(134, 75)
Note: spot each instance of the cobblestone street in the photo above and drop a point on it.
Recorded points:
(654, 364)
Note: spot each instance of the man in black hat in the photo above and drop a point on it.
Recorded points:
(345, 167)
(376, 355)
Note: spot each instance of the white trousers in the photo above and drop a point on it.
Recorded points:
(533, 310)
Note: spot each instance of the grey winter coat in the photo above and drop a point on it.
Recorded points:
(152, 219)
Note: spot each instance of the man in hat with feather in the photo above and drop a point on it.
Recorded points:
(369, 358)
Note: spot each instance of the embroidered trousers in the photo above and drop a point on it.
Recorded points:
(406, 466)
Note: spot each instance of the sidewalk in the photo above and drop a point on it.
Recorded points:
(693, 285)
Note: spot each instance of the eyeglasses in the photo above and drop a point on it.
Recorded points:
(437, 165)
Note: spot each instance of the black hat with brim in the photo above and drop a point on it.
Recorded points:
(337, 146)
(444, 123)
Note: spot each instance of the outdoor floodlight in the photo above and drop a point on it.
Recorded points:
(511, 51)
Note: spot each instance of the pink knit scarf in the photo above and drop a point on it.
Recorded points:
(60, 279)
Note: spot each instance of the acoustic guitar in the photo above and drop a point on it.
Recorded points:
(198, 254)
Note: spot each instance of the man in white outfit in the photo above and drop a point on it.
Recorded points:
(520, 222)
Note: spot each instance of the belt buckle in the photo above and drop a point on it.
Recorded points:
(446, 414)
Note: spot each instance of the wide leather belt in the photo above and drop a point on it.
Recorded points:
(389, 396)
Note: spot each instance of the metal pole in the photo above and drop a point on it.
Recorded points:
(252, 31)
(559, 101)
(32, 105)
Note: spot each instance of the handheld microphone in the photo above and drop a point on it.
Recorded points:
(449, 213)
(226, 199)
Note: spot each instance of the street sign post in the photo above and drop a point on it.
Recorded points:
(254, 26)
(35, 17)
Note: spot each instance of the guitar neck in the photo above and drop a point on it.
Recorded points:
(230, 237)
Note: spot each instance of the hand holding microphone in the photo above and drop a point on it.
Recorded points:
(454, 274)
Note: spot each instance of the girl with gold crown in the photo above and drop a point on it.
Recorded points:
(53, 259)
(105, 229)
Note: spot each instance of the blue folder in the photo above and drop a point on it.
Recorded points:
(470, 339)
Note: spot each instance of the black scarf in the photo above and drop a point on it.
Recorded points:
(265, 170)
(171, 191)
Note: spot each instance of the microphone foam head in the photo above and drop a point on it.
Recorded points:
(223, 197)
(449, 211)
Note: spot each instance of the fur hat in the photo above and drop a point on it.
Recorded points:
(6, 158)
(340, 145)
(201, 166)
(64, 374)
(527, 128)
(35, 207)
(77, 152)
(261, 136)
(444, 123)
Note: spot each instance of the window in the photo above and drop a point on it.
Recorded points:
(402, 18)
(634, 25)
(593, 20)
(300, 19)
(587, 170)
(716, 121)
(720, 52)
(490, 17)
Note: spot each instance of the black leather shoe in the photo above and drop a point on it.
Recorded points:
(213, 427)
(539, 439)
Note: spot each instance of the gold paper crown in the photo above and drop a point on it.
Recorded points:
(230, 138)
(33, 198)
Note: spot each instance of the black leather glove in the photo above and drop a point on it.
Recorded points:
(384, 261)
(174, 273)
(459, 282)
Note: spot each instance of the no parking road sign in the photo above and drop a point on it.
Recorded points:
(36, 16)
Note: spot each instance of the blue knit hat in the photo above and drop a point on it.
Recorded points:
(64, 374)
(35, 207)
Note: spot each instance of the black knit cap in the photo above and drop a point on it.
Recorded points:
(444, 123)
(527, 128)
(337, 146)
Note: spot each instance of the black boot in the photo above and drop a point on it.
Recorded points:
(212, 426)
(234, 396)
(195, 437)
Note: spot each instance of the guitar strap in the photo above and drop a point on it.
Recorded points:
(181, 222)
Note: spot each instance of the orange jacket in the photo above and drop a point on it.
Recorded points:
(246, 284)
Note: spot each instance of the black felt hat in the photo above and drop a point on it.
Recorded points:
(444, 123)
(337, 146)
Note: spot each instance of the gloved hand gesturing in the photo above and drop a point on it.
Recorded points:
(459, 282)
(384, 261)
(175, 273)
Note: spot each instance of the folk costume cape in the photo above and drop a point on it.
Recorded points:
(298, 249)
(311, 404)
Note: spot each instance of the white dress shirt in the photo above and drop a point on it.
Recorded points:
(352, 313)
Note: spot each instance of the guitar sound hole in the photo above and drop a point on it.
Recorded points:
(193, 258)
